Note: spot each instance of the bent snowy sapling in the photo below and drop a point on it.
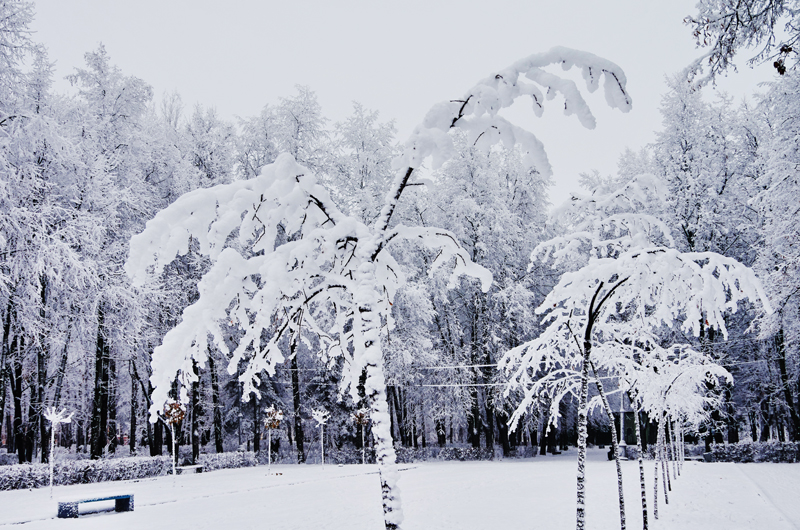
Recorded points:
(297, 262)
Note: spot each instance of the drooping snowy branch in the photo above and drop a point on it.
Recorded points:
(648, 288)
(477, 111)
(267, 286)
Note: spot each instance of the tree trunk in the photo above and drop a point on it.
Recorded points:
(665, 448)
(614, 445)
(660, 452)
(474, 423)
(100, 400)
(216, 404)
(583, 406)
(4, 359)
(197, 413)
(41, 379)
(17, 344)
(642, 483)
(134, 405)
(441, 435)
(655, 477)
(157, 447)
(502, 427)
(62, 368)
(367, 328)
(113, 432)
(780, 348)
(256, 426)
(765, 417)
(299, 436)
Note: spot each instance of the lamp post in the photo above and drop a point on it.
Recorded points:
(273, 421)
(174, 412)
(321, 417)
(56, 418)
(361, 417)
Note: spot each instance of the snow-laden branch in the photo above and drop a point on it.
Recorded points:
(266, 285)
(644, 288)
(477, 111)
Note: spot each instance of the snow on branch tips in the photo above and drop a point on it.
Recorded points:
(285, 262)
(624, 286)
(477, 111)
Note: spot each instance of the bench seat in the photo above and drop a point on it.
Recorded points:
(198, 468)
(68, 509)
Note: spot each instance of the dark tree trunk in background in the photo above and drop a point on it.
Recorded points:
(157, 447)
(441, 435)
(17, 344)
(62, 369)
(4, 360)
(780, 349)
(299, 436)
(393, 413)
(489, 410)
(474, 417)
(41, 378)
(502, 427)
(216, 404)
(134, 406)
(402, 416)
(765, 421)
(256, 426)
(100, 401)
(544, 435)
(112, 406)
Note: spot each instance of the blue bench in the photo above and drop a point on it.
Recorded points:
(69, 509)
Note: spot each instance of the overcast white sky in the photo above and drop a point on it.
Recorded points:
(395, 57)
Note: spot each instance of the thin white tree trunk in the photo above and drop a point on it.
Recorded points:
(674, 445)
(655, 480)
(583, 407)
(614, 445)
(660, 452)
(269, 451)
(641, 466)
(665, 461)
(322, 444)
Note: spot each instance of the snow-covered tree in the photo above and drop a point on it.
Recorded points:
(626, 285)
(779, 258)
(729, 26)
(328, 272)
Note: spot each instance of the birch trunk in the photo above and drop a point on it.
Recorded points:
(660, 452)
(368, 326)
(614, 445)
(655, 480)
(641, 466)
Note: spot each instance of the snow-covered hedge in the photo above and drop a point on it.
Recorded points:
(213, 461)
(26, 476)
(22, 476)
(757, 452)
(406, 455)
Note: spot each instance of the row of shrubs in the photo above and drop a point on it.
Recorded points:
(777, 452)
(28, 476)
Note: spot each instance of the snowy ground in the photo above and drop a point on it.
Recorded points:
(537, 493)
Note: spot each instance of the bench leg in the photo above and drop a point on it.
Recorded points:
(67, 510)
(123, 505)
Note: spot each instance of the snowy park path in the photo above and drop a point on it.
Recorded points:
(522, 494)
